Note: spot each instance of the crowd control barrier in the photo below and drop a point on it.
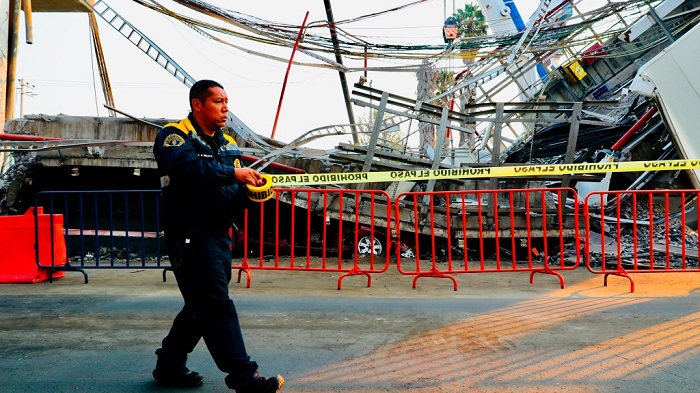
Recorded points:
(510, 230)
(102, 230)
(355, 232)
(306, 229)
(646, 231)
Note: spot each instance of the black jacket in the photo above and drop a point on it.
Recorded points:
(199, 188)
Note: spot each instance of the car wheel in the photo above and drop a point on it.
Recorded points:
(365, 246)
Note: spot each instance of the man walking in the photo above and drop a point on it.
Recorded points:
(204, 188)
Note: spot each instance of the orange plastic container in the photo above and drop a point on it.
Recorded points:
(17, 247)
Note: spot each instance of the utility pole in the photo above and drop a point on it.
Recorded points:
(343, 79)
(25, 89)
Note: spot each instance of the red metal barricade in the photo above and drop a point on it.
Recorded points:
(647, 231)
(482, 231)
(310, 229)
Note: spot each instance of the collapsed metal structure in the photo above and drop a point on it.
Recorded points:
(580, 110)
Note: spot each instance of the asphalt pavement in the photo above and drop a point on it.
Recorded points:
(497, 333)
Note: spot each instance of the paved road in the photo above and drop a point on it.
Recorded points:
(497, 333)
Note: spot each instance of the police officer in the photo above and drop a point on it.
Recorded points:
(204, 187)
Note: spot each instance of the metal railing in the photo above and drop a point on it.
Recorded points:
(488, 231)
(318, 230)
(360, 232)
(647, 231)
(103, 229)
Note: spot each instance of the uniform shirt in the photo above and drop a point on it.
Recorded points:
(199, 188)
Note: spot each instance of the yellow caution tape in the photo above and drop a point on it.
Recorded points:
(261, 193)
(475, 173)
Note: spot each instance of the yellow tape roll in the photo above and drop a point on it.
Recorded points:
(261, 193)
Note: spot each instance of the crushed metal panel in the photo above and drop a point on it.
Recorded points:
(672, 77)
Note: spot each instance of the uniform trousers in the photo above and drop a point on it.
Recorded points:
(201, 260)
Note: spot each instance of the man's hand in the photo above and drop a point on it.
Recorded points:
(248, 176)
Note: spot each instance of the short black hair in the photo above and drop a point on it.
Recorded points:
(200, 90)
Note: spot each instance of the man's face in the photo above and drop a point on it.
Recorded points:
(212, 113)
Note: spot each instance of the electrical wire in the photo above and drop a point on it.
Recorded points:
(550, 36)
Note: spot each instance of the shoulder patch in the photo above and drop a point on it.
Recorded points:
(173, 140)
(230, 139)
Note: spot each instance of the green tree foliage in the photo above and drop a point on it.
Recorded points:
(471, 21)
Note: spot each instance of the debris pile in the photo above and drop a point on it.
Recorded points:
(12, 180)
(116, 256)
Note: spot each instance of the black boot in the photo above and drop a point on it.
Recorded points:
(262, 385)
(180, 379)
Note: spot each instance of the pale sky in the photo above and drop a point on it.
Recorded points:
(60, 63)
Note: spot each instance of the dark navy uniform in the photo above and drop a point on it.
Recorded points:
(200, 200)
(197, 176)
